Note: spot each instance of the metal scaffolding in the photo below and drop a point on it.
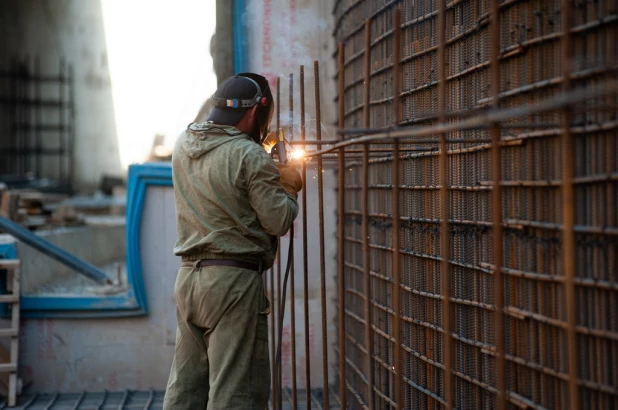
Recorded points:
(37, 122)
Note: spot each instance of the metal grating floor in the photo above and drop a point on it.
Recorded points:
(316, 400)
(151, 400)
(146, 400)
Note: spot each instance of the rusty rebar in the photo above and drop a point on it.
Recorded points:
(365, 221)
(568, 212)
(511, 302)
(367, 75)
(396, 182)
(270, 341)
(305, 252)
(367, 279)
(445, 242)
(318, 136)
(292, 288)
(341, 234)
(278, 105)
(277, 311)
(496, 158)
(413, 134)
(273, 343)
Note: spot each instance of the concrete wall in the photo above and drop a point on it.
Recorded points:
(282, 35)
(73, 30)
(113, 354)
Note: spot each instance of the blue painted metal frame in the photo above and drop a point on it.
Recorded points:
(140, 176)
(66, 258)
(134, 303)
(240, 37)
(8, 251)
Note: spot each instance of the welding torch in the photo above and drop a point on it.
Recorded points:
(280, 149)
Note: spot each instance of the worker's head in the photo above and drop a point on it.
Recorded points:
(244, 101)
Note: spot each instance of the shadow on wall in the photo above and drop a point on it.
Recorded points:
(50, 32)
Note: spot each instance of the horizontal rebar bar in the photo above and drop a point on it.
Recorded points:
(603, 89)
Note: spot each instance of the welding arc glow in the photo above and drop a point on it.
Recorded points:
(297, 154)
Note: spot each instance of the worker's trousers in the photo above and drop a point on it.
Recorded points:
(221, 358)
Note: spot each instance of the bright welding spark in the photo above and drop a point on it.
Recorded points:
(297, 154)
(268, 146)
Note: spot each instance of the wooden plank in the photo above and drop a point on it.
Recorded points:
(9, 263)
(8, 367)
(9, 204)
(15, 313)
(9, 332)
(12, 389)
(5, 357)
(13, 285)
(9, 298)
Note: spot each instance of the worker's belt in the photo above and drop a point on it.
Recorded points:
(224, 262)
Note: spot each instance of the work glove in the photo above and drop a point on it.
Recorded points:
(290, 179)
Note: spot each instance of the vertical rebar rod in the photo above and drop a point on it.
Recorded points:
(278, 105)
(318, 136)
(367, 74)
(398, 366)
(292, 287)
(9, 159)
(496, 193)
(341, 232)
(71, 125)
(37, 119)
(265, 281)
(305, 253)
(279, 379)
(568, 212)
(365, 219)
(22, 129)
(62, 120)
(273, 342)
(444, 213)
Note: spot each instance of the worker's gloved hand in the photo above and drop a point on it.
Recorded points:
(290, 179)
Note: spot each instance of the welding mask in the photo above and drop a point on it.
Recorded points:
(239, 93)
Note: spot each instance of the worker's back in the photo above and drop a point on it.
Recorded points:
(229, 204)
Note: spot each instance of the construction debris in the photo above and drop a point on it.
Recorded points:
(37, 210)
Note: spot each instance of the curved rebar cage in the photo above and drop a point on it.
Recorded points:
(478, 190)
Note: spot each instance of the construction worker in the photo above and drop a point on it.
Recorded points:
(232, 202)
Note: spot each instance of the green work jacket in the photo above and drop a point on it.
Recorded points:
(229, 203)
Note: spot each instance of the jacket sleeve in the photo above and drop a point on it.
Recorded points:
(275, 207)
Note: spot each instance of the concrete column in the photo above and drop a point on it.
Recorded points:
(222, 42)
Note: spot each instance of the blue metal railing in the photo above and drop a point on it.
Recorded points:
(79, 265)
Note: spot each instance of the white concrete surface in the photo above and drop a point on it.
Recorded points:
(73, 30)
(113, 354)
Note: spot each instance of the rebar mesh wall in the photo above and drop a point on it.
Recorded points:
(536, 262)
